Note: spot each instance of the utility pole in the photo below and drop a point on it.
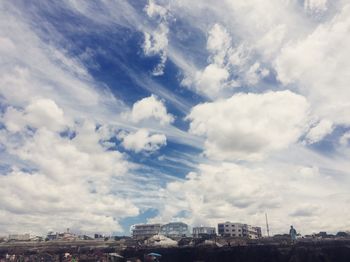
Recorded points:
(267, 226)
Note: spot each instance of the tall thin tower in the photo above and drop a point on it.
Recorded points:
(267, 226)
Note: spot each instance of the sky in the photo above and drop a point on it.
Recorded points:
(115, 112)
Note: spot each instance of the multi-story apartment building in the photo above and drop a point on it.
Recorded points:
(256, 233)
(175, 229)
(142, 231)
(239, 230)
(203, 231)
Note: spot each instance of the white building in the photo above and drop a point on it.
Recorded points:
(203, 231)
(254, 232)
(145, 230)
(239, 230)
(19, 237)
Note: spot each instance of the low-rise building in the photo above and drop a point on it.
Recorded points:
(239, 230)
(202, 231)
(254, 232)
(259, 231)
(51, 236)
(142, 231)
(19, 237)
(175, 229)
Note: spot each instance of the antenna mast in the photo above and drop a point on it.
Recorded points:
(267, 226)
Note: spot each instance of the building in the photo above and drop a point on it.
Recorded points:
(230, 229)
(61, 236)
(19, 237)
(239, 230)
(202, 231)
(258, 231)
(51, 236)
(142, 231)
(175, 229)
(254, 232)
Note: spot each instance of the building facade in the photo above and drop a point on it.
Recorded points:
(202, 231)
(175, 229)
(239, 230)
(142, 231)
(256, 233)
(19, 237)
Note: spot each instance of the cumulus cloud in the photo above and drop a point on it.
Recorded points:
(71, 181)
(320, 69)
(142, 140)
(246, 126)
(39, 113)
(37, 203)
(227, 191)
(214, 77)
(230, 66)
(219, 42)
(150, 108)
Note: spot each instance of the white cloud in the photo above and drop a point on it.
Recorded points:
(150, 108)
(230, 66)
(156, 42)
(142, 140)
(219, 42)
(212, 79)
(58, 181)
(319, 131)
(231, 192)
(248, 38)
(315, 5)
(246, 126)
(35, 69)
(6, 45)
(73, 181)
(39, 203)
(152, 9)
(344, 139)
(242, 42)
(39, 113)
(319, 64)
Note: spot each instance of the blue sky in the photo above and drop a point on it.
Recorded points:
(122, 112)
